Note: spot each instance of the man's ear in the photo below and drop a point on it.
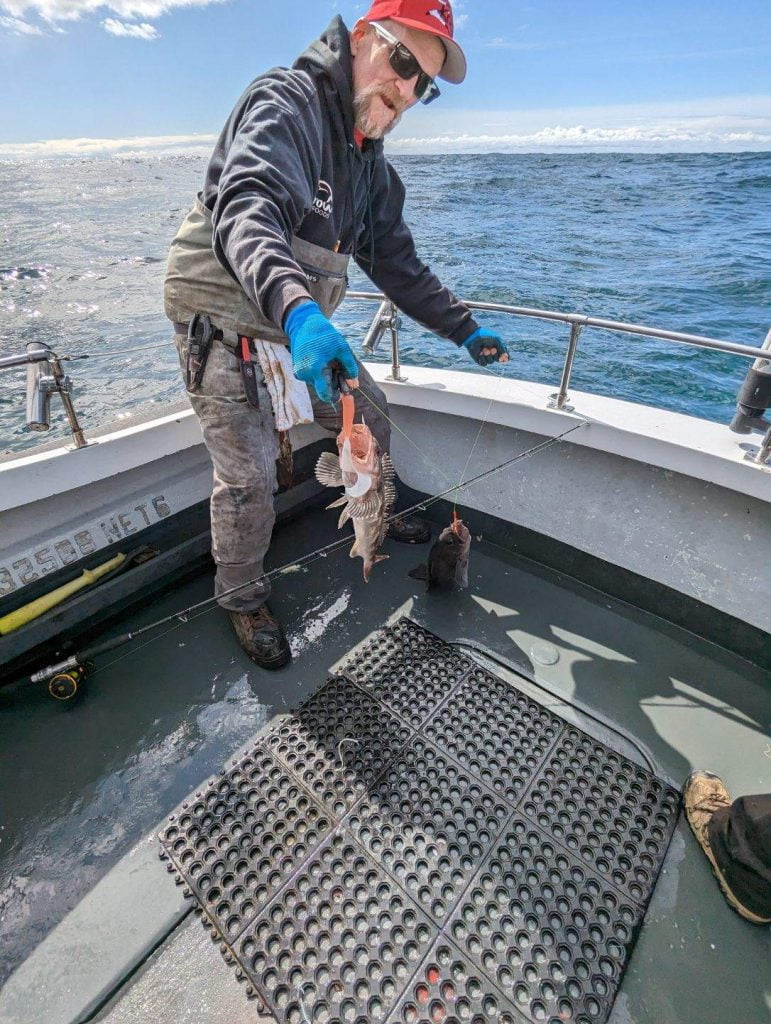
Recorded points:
(358, 32)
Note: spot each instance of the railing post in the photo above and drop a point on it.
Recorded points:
(394, 323)
(765, 449)
(559, 401)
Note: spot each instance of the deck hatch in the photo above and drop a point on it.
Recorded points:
(459, 853)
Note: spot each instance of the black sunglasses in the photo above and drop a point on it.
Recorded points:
(406, 66)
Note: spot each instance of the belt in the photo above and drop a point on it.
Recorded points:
(200, 333)
(229, 338)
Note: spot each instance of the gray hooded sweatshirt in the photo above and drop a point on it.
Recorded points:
(288, 198)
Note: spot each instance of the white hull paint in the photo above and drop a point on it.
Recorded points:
(667, 496)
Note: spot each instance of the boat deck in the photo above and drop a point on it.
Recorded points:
(158, 717)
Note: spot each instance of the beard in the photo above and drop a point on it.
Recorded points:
(366, 121)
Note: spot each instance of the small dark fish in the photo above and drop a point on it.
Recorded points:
(448, 558)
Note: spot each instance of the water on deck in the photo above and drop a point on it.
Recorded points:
(81, 784)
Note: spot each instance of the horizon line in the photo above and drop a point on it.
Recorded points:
(201, 144)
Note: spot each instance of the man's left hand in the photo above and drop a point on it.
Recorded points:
(485, 347)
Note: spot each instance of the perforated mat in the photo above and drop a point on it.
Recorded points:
(420, 842)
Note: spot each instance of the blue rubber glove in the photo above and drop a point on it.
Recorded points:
(315, 345)
(482, 338)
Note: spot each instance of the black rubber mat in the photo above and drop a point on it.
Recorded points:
(338, 742)
(422, 842)
(237, 841)
(408, 669)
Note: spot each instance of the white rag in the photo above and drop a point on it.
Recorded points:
(289, 396)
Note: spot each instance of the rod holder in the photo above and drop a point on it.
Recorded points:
(754, 397)
(45, 377)
(40, 386)
(380, 323)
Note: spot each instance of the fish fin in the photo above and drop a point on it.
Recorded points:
(389, 488)
(354, 552)
(420, 572)
(345, 515)
(367, 569)
(461, 575)
(338, 503)
(366, 507)
(328, 470)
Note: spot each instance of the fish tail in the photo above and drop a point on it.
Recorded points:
(367, 568)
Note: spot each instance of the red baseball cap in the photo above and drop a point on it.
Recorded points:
(434, 16)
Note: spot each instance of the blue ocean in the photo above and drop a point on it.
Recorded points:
(674, 241)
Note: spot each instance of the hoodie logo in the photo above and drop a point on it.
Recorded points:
(322, 203)
(443, 14)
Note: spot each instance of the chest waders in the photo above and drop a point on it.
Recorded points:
(202, 298)
(197, 283)
(199, 292)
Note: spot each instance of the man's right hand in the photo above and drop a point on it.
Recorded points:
(315, 345)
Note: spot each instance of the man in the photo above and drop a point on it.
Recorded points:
(736, 837)
(296, 186)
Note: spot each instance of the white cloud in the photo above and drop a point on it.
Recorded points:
(153, 145)
(727, 123)
(19, 27)
(459, 15)
(654, 139)
(501, 43)
(122, 28)
(72, 10)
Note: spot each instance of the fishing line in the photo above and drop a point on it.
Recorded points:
(207, 605)
(147, 643)
(499, 377)
(114, 354)
(417, 448)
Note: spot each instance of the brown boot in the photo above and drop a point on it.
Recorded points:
(704, 794)
(260, 634)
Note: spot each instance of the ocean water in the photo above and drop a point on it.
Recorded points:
(676, 241)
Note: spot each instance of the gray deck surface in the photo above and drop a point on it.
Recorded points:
(165, 716)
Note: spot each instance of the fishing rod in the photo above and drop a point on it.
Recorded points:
(64, 677)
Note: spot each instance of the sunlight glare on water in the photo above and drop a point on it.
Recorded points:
(675, 241)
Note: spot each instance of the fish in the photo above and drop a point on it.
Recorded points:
(448, 559)
(367, 475)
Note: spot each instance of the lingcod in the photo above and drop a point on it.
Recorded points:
(367, 475)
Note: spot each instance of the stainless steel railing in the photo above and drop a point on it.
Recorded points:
(46, 377)
(386, 318)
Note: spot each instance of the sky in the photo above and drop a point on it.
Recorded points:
(102, 76)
